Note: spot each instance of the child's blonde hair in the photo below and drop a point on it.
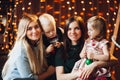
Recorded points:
(47, 19)
(98, 23)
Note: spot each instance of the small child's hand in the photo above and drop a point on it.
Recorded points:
(57, 44)
(50, 48)
(90, 55)
(83, 55)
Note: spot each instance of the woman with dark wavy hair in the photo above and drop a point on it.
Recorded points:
(68, 54)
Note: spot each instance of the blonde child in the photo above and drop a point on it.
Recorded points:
(95, 47)
(52, 39)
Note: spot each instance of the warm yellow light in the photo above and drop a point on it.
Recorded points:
(82, 13)
(7, 46)
(62, 23)
(73, 1)
(82, 2)
(83, 9)
(68, 2)
(29, 3)
(42, 0)
(108, 1)
(108, 31)
(114, 13)
(69, 8)
(63, 17)
(73, 7)
(56, 12)
(68, 15)
(75, 13)
(16, 3)
(90, 2)
(113, 19)
(107, 14)
(23, 8)
(91, 9)
(28, 8)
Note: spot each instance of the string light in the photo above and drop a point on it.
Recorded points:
(84, 8)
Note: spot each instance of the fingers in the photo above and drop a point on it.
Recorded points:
(50, 48)
(57, 44)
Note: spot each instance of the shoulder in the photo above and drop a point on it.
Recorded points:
(103, 42)
(19, 49)
(87, 41)
(60, 30)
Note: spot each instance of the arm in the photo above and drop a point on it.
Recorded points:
(65, 76)
(49, 49)
(49, 72)
(97, 64)
(23, 67)
(82, 53)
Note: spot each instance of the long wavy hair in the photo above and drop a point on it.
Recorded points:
(37, 62)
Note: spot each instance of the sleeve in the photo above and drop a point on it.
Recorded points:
(23, 66)
(59, 61)
(103, 43)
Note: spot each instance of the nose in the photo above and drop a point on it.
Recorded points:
(51, 33)
(72, 31)
(88, 31)
(33, 30)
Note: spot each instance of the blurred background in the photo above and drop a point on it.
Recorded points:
(11, 11)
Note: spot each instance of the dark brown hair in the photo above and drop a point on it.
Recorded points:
(67, 41)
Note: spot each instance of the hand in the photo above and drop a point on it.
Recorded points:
(84, 55)
(90, 55)
(50, 48)
(76, 74)
(57, 44)
(85, 73)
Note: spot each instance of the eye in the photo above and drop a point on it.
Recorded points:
(69, 29)
(29, 28)
(77, 28)
(36, 27)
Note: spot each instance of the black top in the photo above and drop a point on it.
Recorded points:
(46, 41)
(68, 63)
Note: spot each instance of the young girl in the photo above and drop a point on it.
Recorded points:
(95, 47)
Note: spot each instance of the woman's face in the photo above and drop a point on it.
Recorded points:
(33, 31)
(74, 32)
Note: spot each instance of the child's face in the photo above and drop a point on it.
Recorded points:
(49, 30)
(92, 32)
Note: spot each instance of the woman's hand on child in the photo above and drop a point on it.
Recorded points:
(87, 71)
